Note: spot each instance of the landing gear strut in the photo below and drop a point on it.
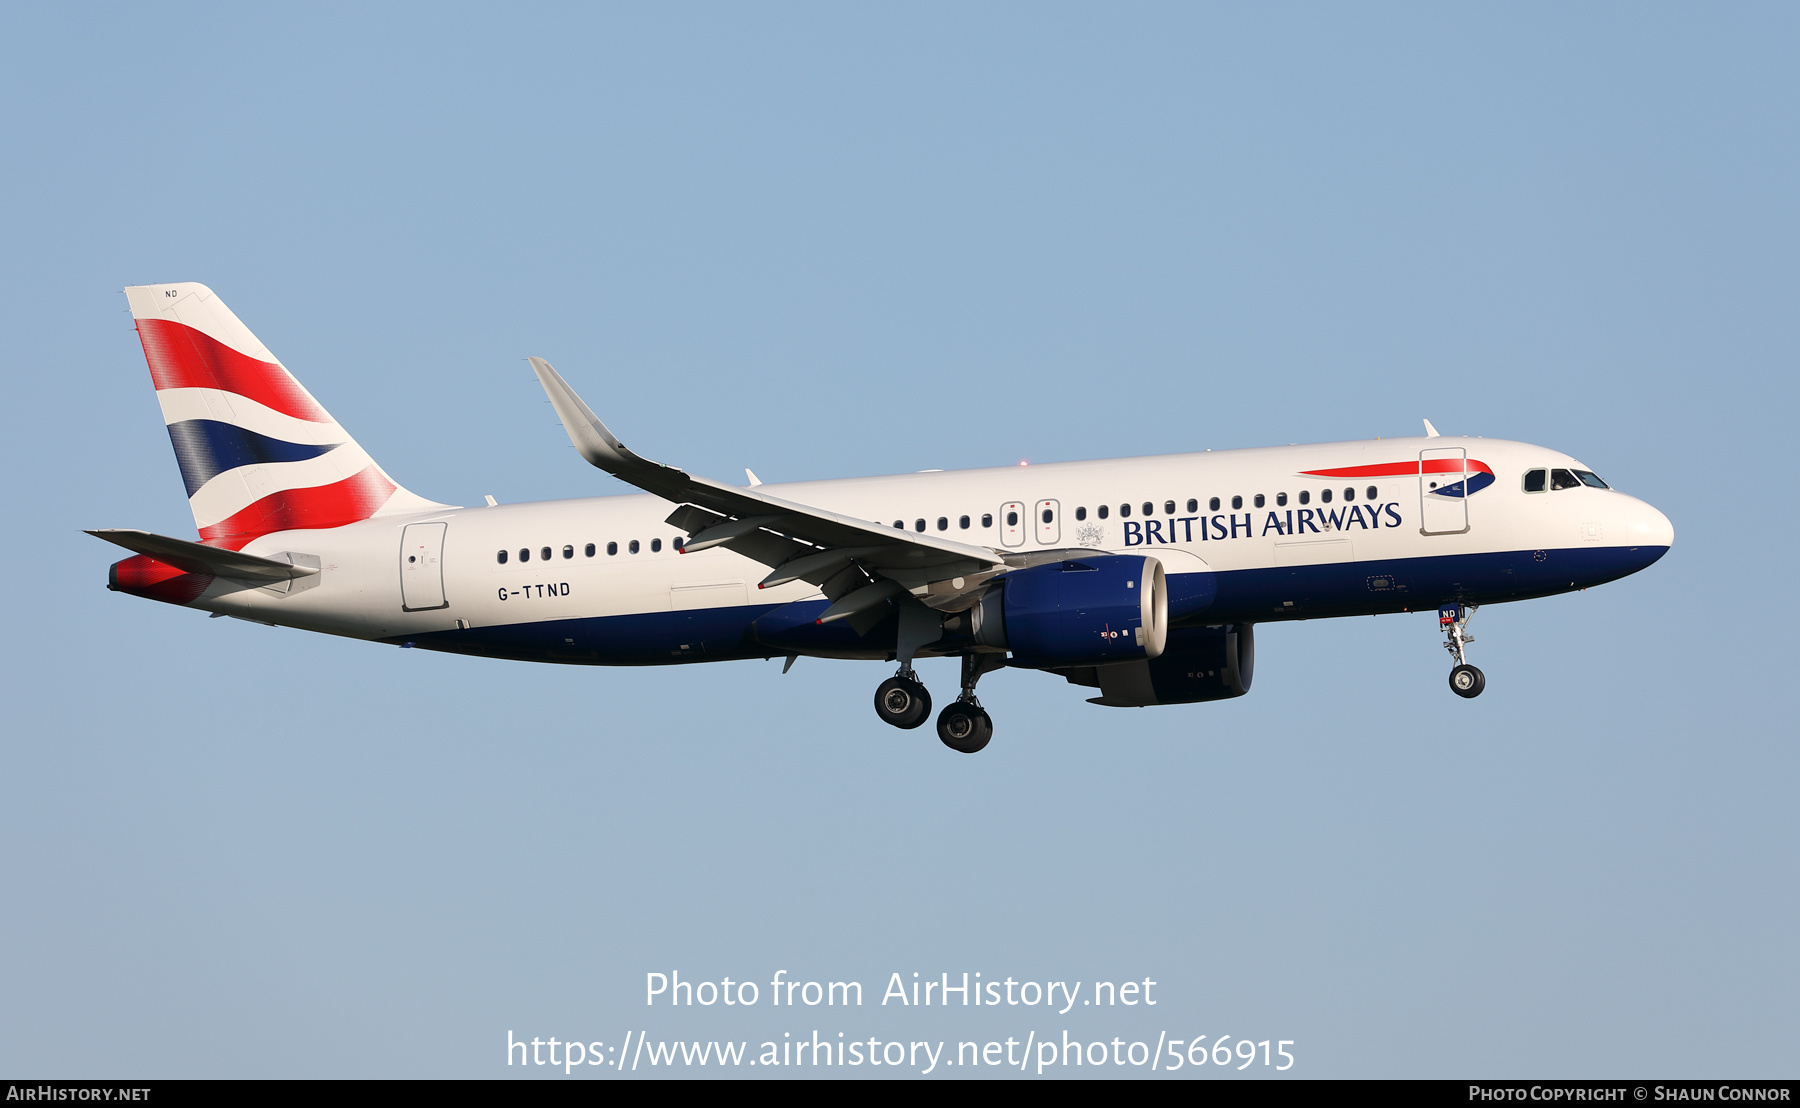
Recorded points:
(901, 700)
(1465, 680)
(965, 726)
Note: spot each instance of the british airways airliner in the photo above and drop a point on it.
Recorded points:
(1143, 578)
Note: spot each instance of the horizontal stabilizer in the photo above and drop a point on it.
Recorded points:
(193, 557)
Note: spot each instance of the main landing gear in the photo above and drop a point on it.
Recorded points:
(902, 701)
(1465, 680)
(964, 726)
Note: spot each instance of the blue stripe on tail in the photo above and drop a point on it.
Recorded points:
(206, 448)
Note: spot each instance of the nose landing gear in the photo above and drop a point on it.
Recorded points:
(1465, 680)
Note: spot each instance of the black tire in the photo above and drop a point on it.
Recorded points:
(965, 728)
(1467, 682)
(902, 703)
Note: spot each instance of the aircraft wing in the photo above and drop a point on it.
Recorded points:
(856, 563)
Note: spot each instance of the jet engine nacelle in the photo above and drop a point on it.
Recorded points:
(1201, 663)
(1091, 610)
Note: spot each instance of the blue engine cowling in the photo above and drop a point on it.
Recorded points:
(1200, 663)
(1093, 610)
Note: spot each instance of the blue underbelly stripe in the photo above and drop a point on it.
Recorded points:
(1232, 596)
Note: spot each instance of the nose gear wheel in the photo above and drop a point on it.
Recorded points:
(1465, 680)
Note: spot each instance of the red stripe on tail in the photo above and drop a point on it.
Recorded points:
(347, 501)
(183, 358)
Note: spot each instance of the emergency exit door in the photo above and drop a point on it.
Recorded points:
(1045, 517)
(1012, 523)
(422, 567)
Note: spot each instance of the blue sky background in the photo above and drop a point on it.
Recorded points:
(826, 241)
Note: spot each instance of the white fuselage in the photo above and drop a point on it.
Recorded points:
(1356, 554)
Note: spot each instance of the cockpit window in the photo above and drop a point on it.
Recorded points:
(1563, 479)
(1590, 480)
(1534, 479)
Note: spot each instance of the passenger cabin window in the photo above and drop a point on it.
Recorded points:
(1213, 504)
(1193, 505)
(1370, 493)
(655, 546)
(1563, 479)
(612, 549)
(1305, 497)
(1104, 511)
(502, 557)
(1590, 480)
(1325, 496)
(1281, 500)
(1259, 500)
(1149, 508)
(1080, 514)
(943, 523)
(899, 525)
(525, 554)
(633, 546)
(987, 519)
(1536, 479)
(568, 552)
(1168, 507)
(546, 553)
(1012, 519)
(918, 525)
(589, 552)
(1124, 511)
(1236, 503)
(963, 522)
(1349, 494)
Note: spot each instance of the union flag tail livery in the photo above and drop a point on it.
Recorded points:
(1140, 578)
(257, 453)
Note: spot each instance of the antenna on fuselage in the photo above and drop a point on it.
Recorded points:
(1430, 431)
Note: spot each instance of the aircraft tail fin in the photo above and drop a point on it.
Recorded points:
(257, 453)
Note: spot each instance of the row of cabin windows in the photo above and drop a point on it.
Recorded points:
(963, 523)
(943, 522)
(1213, 505)
(1148, 508)
(547, 553)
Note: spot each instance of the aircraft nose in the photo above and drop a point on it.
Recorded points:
(1645, 526)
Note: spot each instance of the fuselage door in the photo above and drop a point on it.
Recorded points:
(1046, 517)
(422, 567)
(1012, 523)
(1443, 491)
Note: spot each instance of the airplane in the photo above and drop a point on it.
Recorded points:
(1142, 578)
